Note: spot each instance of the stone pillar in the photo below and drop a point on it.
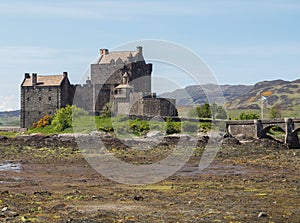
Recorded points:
(291, 138)
(258, 129)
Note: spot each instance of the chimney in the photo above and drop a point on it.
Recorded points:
(139, 49)
(104, 51)
(65, 74)
(27, 75)
(34, 79)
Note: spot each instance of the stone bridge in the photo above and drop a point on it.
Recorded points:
(260, 128)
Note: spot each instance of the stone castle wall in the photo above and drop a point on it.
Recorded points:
(37, 102)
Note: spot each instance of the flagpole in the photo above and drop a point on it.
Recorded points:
(262, 108)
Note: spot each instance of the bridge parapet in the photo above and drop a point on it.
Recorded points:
(259, 129)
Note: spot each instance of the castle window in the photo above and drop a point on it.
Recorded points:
(50, 112)
(28, 112)
(40, 112)
(28, 99)
(40, 98)
(50, 98)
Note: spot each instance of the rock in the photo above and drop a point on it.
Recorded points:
(262, 215)
(231, 142)
(3, 138)
(5, 192)
(4, 209)
(202, 134)
(42, 193)
(155, 134)
(11, 214)
(7, 213)
(138, 198)
(240, 136)
(59, 207)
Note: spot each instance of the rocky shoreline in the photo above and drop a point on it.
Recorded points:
(70, 140)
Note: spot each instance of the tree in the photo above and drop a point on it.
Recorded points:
(64, 116)
(248, 116)
(275, 112)
(204, 111)
(218, 112)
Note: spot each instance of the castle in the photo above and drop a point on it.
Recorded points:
(120, 79)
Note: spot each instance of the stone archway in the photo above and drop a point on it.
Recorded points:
(264, 132)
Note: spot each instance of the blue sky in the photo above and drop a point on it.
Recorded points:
(241, 41)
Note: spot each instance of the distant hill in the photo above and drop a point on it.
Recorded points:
(8, 114)
(195, 94)
(10, 118)
(285, 94)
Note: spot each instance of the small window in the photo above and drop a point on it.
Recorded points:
(49, 89)
(28, 99)
(40, 98)
(28, 113)
(50, 98)
(40, 112)
(50, 112)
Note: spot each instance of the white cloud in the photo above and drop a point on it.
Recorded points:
(8, 103)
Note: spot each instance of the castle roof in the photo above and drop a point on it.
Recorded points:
(120, 56)
(44, 80)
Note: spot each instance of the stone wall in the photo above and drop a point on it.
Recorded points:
(103, 95)
(247, 130)
(156, 107)
(107, 74)
(83, 97)
(38, 101)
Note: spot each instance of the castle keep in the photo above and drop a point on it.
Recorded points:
(41, 95)
(120, 80)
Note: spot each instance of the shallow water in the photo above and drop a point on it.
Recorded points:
(10, 167)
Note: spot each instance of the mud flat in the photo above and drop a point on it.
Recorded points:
(47, 179)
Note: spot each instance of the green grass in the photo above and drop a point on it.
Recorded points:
(10, 121)
(8, 134)
(47, 130)
(124, 126)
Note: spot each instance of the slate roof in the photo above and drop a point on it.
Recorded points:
(44, 80)
(120, 57)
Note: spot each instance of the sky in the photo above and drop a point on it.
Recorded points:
(242, 42)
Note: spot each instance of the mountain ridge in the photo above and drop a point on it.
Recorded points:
(282, 93)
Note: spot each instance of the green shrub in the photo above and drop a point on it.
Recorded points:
(248, 116)
(139, 127)
(172, 127)
(204, 111)
(204, 126)
(275, 112)
(64, 116)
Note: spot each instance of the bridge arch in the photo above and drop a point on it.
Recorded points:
(264, 132)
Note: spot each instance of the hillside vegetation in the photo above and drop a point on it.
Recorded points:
(284, 94)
